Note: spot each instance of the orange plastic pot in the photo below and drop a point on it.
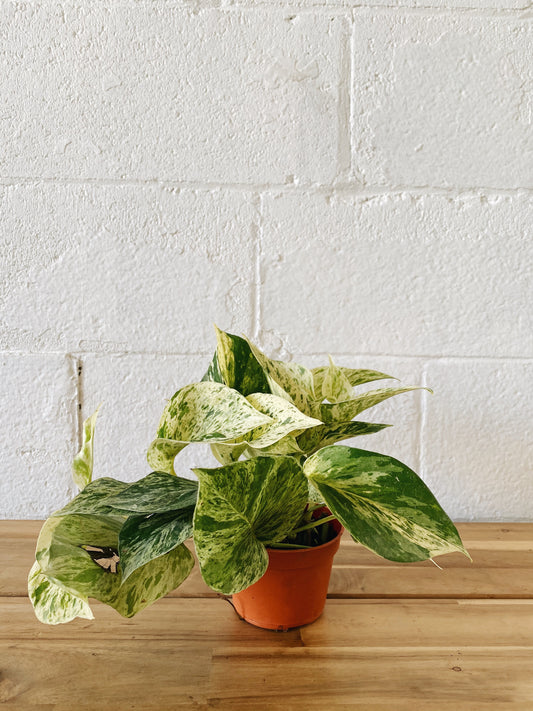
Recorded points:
(293, 590)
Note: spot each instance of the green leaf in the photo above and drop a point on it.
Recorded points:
(353, 376)
(93, 499)
(52, 603)
(287, 445)
(336, 387)
(66, 554)
(288, 380)
(208, 412)
(241, 508)
(82, 466)
(316, 438)
(155, 493)
(162, 452)
(144, 538)
(345, 411)
(383, 504)
(238, 366)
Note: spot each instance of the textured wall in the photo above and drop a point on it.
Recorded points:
(340, 176)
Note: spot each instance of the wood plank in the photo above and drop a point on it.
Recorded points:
(502, 567)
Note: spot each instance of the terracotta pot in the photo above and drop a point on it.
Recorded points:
(293, 590)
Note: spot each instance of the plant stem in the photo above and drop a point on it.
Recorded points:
(313, 524)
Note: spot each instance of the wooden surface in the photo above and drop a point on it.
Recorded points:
(392, 637)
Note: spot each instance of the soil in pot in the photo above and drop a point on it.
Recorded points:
(293, 590)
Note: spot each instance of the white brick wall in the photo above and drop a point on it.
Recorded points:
(323, 175)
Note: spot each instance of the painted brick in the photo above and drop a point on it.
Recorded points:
(399, 274)
(38, 423)
(134, 391)
(477, 439)
(120, 268)
(442, 101)
(150, 91)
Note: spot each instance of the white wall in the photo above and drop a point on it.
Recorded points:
(322, 175)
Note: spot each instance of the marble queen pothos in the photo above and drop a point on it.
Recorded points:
(274, 428)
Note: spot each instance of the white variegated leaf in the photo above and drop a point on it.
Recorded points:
(162, 452)
(336, 387)
(288, 379)
(285, 418)
(355, 376)
(208, 412)
(82, 466)
(52, 603)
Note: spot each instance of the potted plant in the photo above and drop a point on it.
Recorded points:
(283, 492)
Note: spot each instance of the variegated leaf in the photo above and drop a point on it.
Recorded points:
(241, 508)
(208, 412)
(383, 504)
(285, 418)
(314, 439)
(213, 373)
(353, 376)
(336, 413)
(52, 603)
(288, 379)
(238, 366)
(336, 387)
(93, 499)
(287, 445)
(144, 538)
(82, 466)
(228, 453)
(162, 452)
(155, 493)
(67, 553)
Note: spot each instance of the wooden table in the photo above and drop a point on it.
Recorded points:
(393, 637)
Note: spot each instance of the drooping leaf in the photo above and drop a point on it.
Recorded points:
(162, 452)
(144, 538)
(208, 412)
(82, 466)
(93, 499)
(241, 508)
(336, 413)
(80, 553)
(353, 376)
(288, 379)
(238, 366)
(383, 504)
(287, 445)
(336, 387)
(52, 603)
(316, 438)
(155, 493)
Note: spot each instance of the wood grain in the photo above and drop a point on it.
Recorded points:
(392, 638)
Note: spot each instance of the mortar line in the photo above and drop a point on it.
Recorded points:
(297, 355)
(256, 295)
(349, 188)
(422, 423)
(79, 400)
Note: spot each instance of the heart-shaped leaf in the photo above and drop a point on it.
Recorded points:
(383, 504)
(155, 493)
(238, 366)
(93, 499)
(241, 508)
